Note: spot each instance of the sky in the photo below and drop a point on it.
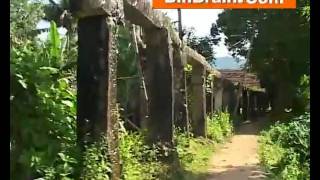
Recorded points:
(201, 20)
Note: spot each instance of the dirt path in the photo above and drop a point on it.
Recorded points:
(238, 159)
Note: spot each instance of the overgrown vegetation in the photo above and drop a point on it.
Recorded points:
(139, 161)
(219, 126)
(284, 150)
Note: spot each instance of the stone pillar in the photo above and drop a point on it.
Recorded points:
(236, 110)
(198, 103)
(181, 118)
(160, 89)
(255, 104)
(208, 97)
(245, 103)
(251, 105)
(218, 96)
(92, 78)
(97, 112)
(212, 96)
(96, 84)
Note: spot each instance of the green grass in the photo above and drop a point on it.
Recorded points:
(195, 153)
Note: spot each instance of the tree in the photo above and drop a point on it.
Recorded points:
(203, 45)
(280, 48)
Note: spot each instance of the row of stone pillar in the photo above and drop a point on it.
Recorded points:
(254, 104)
(166, 86)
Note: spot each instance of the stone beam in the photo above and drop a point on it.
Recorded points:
(139, 12)
(85, 8)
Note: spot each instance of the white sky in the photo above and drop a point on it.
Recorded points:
(201, 20)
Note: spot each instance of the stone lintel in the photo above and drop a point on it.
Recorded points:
(86, 8)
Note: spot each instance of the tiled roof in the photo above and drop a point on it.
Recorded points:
(248, 80)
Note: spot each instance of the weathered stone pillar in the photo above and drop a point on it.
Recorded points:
(208, 96)
(212, 96)
(96, 77)
(218, 96)
(198, 100)
(255, 101)
(159, 81)
(181, 118)
(251, 105)
(236, 110)
(245, 104)
(92, 99)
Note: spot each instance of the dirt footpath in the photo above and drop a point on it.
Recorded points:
(238, 159)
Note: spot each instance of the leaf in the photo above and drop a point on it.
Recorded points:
(54, 40)
(23, 83)
(62, 156)
(63, 83)
(67, 103)
(50, 69)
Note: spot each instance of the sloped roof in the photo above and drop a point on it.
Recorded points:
(248, 80)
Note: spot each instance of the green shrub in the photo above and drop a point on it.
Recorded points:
(219, 126)
(42, 104)
(139, 161)
(284, 150)
(193, 153)
(96, 164)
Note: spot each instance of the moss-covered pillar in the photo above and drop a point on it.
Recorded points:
(160, 89)
(198, 103)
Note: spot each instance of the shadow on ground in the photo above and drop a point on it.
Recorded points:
(252, 127)
(228, 174)
(237, 171)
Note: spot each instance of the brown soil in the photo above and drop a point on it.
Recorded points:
(238, 159)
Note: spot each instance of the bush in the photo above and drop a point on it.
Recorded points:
(219, 126)
(193, 154)
(42, 106)
(96, 165)
(139, 161)
(284, 150)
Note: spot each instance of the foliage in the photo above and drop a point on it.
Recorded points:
(305, 10)
(280, 51)
(188, 68)
(219, 126)
(203, 45)
(304, 93)
(42, 100)
(193, 153)
(209, 80)
(127, 67)
(285, 149)
(22, 21)
(139, 161)
(96, 165)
